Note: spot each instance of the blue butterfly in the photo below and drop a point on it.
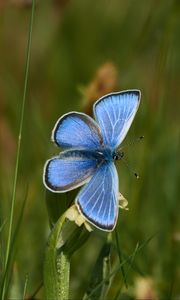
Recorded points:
(90, 149)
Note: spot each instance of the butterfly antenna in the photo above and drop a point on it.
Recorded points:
(132, 142)
(129, 168)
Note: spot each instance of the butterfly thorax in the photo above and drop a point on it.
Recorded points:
(104, 154)
(109, 154)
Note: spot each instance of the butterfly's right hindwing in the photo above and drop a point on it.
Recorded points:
(69, 170)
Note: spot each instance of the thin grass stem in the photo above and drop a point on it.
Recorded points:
(131, 257)
(120, 258)
(19, 141)
(25, 287)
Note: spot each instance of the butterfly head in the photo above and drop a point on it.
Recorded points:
(118, 155)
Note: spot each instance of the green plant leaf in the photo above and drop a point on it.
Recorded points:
(57, 204)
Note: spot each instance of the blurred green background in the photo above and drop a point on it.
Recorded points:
(82, 50)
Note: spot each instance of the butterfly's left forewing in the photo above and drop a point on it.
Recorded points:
(98, 200)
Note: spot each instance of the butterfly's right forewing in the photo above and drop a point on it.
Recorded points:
(71, 169)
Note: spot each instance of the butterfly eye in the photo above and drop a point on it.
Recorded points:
(115, 157)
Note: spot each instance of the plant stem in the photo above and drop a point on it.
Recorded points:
(56, 266)
(63, 271)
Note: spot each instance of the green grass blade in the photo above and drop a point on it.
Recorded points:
(2, 225)
(7, 273)
(133, 266)
(33, 295)
(131, 261)
(137, 249)
(19, 144)
(99, 274)
(25, 287)
(120, 258)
